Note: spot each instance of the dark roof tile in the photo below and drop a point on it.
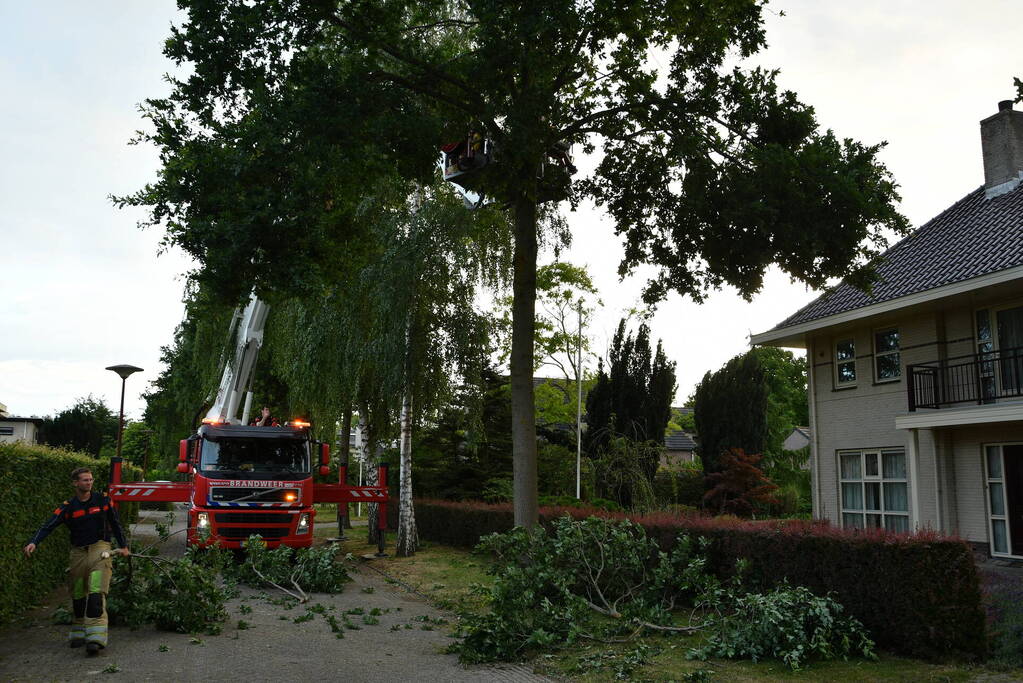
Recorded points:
(973, 237)
(679, 441)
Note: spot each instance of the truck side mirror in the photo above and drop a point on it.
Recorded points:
(183, 467)
(183, 450)
(324, 470)
(324, 453)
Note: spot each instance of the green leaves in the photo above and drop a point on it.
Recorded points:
(182, 595)
(594, 578)
(731, 410)
(791, 624)
(314, 569)
(606, 579)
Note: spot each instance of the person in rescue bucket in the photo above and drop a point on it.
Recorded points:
(90, 517)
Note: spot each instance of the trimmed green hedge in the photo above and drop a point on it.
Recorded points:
(35, 479)
(918, 594)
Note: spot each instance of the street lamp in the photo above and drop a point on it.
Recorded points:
(122, 371)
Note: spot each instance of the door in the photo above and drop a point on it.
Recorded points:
(1013, 458)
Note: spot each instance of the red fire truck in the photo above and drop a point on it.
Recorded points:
(242, 480)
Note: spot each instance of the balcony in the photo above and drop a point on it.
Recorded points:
(982, 378)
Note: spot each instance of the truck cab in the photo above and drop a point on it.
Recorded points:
(251, 480)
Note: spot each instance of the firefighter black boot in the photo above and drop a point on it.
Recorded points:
(91, 649)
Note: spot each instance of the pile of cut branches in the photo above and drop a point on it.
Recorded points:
(292, 571)
(188, 594)
(605, 580)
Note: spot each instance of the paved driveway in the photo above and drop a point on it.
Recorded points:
(406, 645)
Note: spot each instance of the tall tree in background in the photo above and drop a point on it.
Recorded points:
(787, 401)
(633, 399)
(731, 410)
(87, 426)
(710, 173)
(752, 403)
(563, 291)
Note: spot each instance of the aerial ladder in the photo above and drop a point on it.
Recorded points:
(242, 480)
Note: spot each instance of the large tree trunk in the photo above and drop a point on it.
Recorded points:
(523, 330)
(408, 536)
(343, 519)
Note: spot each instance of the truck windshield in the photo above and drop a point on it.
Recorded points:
(255, 455)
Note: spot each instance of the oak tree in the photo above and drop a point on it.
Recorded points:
(710, 172)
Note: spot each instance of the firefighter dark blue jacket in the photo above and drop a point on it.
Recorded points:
(89, 521)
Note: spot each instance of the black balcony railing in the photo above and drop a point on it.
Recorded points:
(980, 378)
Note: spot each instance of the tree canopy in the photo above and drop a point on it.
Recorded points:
(87, 426)
(711, 173)
(633, 398)
(752, 403)
(731, 411)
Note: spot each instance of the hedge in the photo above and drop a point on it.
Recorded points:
(35, 479)
(918, 594)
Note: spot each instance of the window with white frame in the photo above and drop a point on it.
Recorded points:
(874, 489)
(887, 360)
(845, 363)
(6, 431)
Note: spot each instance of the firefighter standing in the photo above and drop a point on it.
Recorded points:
(90, 517)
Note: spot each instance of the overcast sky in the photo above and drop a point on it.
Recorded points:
(83, 288)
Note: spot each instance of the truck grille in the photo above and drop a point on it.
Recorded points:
(245, 532)
(252, 518)
(227, 494)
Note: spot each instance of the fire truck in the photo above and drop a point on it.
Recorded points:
(240, 480)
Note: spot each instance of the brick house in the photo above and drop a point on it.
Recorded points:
(916, 390)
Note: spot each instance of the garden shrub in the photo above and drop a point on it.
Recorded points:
(620, 475)
(35, 479)
(740, 487)
(679, 486)
(498, 490)
(916, 594)
(1005, 602)
(573, 502)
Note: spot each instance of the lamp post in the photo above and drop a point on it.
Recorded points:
(579, 406)
(122, 371)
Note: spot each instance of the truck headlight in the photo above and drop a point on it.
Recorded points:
(202, 522)
(303, 523)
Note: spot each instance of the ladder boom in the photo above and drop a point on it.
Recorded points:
(237, 378)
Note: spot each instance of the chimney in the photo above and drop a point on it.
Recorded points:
(1001, 138)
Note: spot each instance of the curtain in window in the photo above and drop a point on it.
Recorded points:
(894, 465)
(1010, 339)
(896, 497)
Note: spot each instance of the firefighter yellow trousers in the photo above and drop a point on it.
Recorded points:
(90, 581)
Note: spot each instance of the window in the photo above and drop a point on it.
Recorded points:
(874, 490)
(845, 363)
(6, 431)
(887, 366)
